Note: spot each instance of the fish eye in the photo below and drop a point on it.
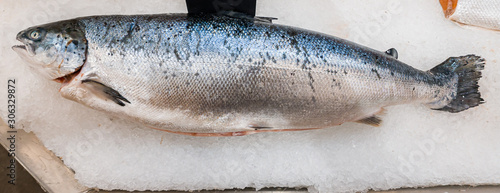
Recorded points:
(34, 35)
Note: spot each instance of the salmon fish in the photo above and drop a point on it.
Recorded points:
(219, 75)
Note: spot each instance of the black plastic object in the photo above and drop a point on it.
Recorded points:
(217, 6)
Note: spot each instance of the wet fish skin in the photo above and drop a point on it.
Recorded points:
(212, 74)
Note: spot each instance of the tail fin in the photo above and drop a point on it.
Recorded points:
(468, 69)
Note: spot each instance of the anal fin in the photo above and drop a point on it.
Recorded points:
(106, 92)
(373, 121)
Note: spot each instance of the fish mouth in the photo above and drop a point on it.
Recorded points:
(24, 50)
(24, 53)
(21, 47)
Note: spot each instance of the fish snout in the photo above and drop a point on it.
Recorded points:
(20, 37)
(26, 47)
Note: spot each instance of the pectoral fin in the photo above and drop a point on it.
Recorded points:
(106, 92)
(373, 121)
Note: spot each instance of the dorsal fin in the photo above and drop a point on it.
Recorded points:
(373, 121)
(392, 52)
(246, 7)
(243, 9)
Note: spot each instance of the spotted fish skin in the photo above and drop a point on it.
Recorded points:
(215, 74)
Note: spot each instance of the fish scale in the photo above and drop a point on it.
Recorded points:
(221, 74)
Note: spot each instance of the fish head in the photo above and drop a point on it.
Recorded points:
(56, 49)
